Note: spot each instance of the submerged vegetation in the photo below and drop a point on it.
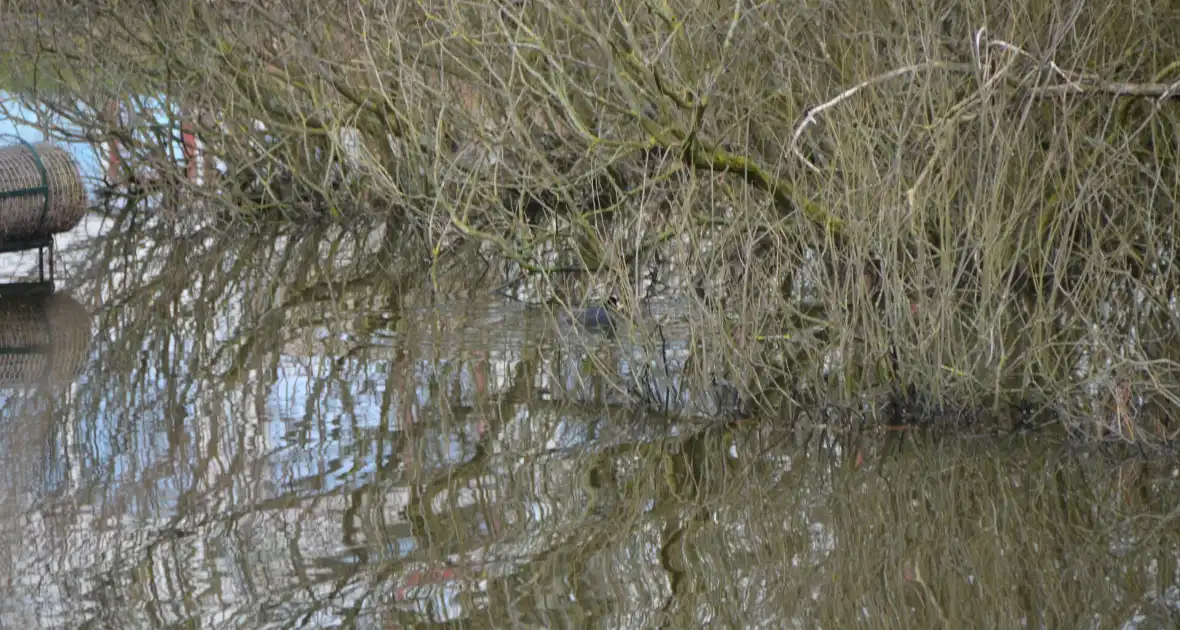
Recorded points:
(887, 210)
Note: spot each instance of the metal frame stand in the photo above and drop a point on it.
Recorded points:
(45, 249)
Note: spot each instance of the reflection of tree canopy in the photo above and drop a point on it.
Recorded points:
(624, 519)
(294, 359)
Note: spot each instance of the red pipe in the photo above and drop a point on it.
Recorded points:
(113, 159)
(189, 141)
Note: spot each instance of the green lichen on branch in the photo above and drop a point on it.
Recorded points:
(702, 155)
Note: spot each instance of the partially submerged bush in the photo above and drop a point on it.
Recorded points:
(976, 201)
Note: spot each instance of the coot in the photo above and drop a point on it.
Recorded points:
(600, 317)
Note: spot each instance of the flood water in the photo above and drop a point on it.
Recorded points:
(305, 428)
(213, 431)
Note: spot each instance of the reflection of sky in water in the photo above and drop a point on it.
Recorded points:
(328, 431)
(148, 438)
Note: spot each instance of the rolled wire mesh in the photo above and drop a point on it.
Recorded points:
(29, 214)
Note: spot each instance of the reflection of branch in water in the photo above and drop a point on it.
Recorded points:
(682, 474)
(330, 290)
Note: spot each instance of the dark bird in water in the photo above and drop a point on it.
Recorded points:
(601, 317)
